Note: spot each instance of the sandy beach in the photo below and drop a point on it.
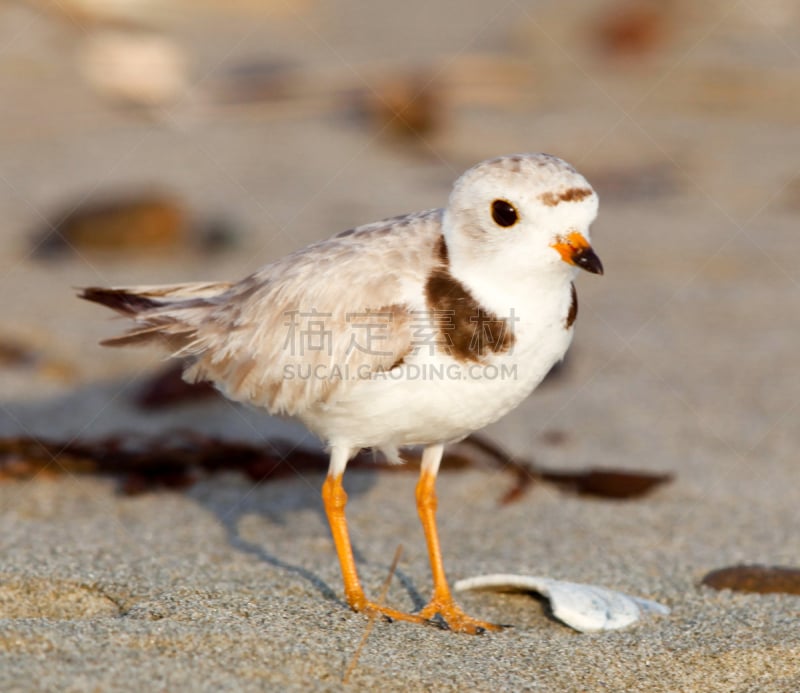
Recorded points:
(684, 360)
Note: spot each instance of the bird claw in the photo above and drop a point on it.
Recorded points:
(443, 614)
(379, 610)
(449, 615)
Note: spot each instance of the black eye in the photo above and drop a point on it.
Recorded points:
(503, 213)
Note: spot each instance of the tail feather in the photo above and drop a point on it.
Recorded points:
(124, 301)
(133, 300)
(168, 314)
(173, 341)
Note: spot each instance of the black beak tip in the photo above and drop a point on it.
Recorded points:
(589, 261)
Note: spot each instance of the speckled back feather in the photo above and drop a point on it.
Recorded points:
(238, 335)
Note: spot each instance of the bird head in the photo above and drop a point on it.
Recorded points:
(522, 215)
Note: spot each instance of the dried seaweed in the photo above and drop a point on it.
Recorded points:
(594, 481)
(14, 354)
(168, 388)
(631, 31)
(132, 222)
(177, 459)
(762, 579)
(607, 483)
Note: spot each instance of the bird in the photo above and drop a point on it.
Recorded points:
(413, 331)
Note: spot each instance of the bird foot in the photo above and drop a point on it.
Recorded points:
(365, 606)
(451, 616)
(441, 613)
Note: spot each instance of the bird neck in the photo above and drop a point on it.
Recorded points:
(500, 286)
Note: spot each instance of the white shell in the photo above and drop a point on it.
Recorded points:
(141, 68)
(586, 608)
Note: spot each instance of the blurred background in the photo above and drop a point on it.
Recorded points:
(154, 141)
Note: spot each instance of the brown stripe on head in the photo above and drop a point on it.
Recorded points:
(514, 163)
(551, 199)
(465, 330)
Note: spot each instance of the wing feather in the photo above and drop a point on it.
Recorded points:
(297, 331)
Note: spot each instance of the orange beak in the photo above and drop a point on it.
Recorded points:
(575, 250)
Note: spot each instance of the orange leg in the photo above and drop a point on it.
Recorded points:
(335, 499)
(442, 602)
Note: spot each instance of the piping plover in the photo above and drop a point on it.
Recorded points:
(416, 330)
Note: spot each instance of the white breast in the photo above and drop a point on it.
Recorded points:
(436, 398)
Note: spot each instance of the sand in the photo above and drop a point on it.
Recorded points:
(684, 361)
